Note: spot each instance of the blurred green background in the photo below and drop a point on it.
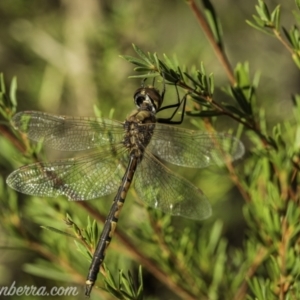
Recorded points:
(65, 55)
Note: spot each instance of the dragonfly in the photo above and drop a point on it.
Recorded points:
(119, 152)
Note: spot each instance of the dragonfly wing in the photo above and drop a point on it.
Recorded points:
(191, 148)
(82, 178)
(68, 133)
(162, 189)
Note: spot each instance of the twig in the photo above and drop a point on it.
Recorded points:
(219, 52)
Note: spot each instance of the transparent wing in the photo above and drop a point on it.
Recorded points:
(82, 178)
(160, 188)
(190, 148)
(68, 133)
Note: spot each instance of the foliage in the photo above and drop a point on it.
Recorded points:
(191, 260)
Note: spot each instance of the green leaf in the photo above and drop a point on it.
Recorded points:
(263, 10)
(140, 290)
(147, 75)
(83, 250)
(169, 63)
(58, 231)
(2, 84)
(109, 279)
(260, 288)
(125, 284)
(204, 113)
(211, 84)
(46, 270)
(194, 81)
(241, 100)
(296, 59)
(143, 69)
(235, 111)
(134, 60)
(126, 289)
(288, 36)
(200, 99)
(141, 53)
(297, 4)
(259, 26)
(213, 22)
(275, 17)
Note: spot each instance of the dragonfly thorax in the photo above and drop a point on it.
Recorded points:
(139, 128)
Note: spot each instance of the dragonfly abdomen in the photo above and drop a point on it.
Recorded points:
(139, 128)
(110, 225)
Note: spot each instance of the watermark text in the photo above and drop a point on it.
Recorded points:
(27, 290)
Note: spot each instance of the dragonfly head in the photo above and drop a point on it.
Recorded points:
(148, 98)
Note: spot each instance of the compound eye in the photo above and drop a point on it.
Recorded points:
(139, 99)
